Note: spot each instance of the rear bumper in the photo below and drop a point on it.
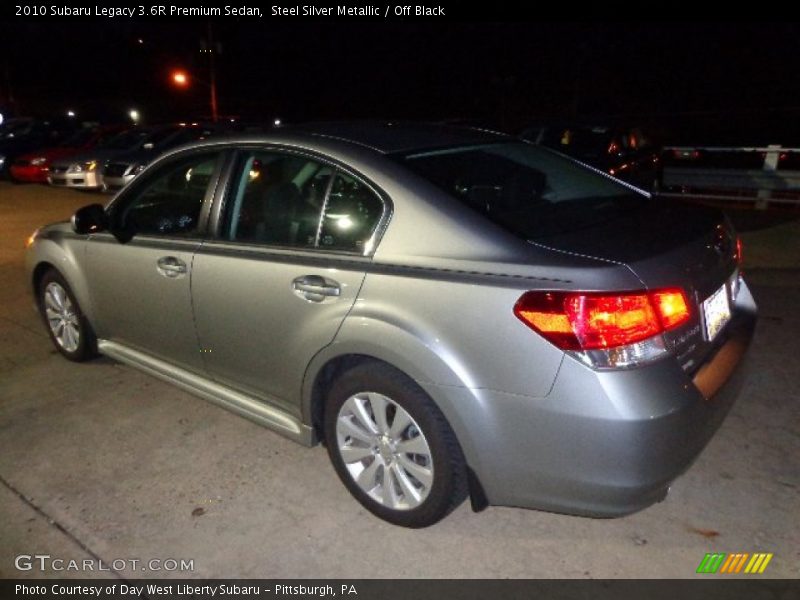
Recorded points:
(602, 443)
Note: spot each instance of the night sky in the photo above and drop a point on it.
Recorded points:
(506, 75)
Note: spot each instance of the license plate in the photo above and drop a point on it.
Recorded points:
(716, 312)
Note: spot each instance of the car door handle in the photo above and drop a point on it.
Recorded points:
(315, 287)
(169, 266)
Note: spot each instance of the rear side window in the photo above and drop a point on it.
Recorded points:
(351, 214)
(278, 200)
(282, 199)
(529, 190)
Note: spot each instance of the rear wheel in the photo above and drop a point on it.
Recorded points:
(392, 447)
(69, 330)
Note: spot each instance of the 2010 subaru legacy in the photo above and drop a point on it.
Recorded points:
(452, 312)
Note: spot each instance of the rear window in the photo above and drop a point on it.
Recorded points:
(529, 190)
(126, 139)
(161, 135)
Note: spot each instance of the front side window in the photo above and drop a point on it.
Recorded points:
(169, 202)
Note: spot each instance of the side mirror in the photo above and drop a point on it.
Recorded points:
(148, 146)
(90, 219)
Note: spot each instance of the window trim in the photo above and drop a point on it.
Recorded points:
(223, 195)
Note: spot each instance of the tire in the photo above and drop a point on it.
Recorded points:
(69, 330)
(410, 489)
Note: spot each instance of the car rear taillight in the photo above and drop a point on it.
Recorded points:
(609, 329)
(671, 308)
(739, 251)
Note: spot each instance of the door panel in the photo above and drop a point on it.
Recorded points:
(276, 285)
(262, 315)
(139, 305)
(141, 276)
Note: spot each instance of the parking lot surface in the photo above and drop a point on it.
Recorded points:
(101, 462)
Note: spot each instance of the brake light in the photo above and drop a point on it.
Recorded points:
(610, 321)
(739, 251)
(602, 321)
(671, 307)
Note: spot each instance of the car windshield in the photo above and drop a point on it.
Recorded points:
(127, 139)
(528, 190)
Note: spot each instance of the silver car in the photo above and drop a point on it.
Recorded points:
(451, 312)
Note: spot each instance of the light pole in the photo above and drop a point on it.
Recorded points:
(212, 72)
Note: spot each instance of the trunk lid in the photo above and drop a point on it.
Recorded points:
(665, 244)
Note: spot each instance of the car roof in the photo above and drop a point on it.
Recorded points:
(389, 137)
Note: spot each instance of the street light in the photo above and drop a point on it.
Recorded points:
(181, 79)
(134, 115)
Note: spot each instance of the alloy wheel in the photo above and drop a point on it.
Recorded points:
(384, 451)
(62, 317)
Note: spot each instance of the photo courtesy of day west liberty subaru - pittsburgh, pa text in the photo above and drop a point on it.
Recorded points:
(159, 10)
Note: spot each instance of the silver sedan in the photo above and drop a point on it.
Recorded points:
(454, 313)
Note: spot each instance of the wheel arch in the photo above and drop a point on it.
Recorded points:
(401, 350)
(397, 347)
(38, 273)
(59, 253)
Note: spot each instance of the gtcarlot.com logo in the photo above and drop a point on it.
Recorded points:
(736, 562)
(46, 562)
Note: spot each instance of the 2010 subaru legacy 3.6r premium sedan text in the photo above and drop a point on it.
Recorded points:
(452, 312)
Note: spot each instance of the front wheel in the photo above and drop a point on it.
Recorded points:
(69, 330)
(392, 447)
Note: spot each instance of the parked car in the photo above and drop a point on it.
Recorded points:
(627, 153)
(453, 312)
(34, 167)
(19, 136)
(84, 170)
(120, 170)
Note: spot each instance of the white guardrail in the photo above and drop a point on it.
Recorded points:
(770, 184)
